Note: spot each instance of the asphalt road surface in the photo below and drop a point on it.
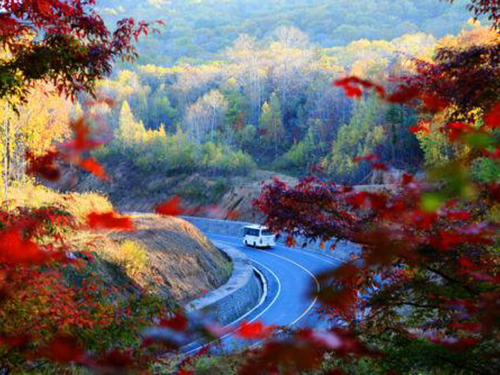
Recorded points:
(291, 276)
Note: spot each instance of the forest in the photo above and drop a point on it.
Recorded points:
(271, 105)
(378, 122)
(200, 30)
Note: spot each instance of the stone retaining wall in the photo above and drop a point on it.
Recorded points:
(241, 292)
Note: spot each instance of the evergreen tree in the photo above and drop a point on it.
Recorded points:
(161, 112)
(402, 148)
(361, 136)
(301, 156)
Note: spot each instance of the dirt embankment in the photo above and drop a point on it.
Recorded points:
(182, 263)
(165, 255)
(244, 191)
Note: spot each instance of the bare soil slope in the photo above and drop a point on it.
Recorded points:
(244, 191)
(166, 255)
(181, 260)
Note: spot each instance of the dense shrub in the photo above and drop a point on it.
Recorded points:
(221, 159)
(153, 151)
(132, 257)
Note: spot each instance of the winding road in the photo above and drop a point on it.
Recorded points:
(291, 277)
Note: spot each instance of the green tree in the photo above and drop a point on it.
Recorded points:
(401, 148)
(237, 108)
(360, 137)
(271, 125)
(301, 156)
(161, 111)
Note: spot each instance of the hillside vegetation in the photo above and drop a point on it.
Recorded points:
(269, 105)
(165, 257)
(199, 30)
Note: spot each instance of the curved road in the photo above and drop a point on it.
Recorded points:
(291, 276)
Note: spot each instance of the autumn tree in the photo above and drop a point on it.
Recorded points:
(245, 53)
(66, 43)
(270, 124)
(206, 116)
(130, 131)
(34, 126)
(422, 288)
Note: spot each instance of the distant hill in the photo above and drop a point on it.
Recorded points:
(200, 29)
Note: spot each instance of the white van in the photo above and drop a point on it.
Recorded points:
(258, 236)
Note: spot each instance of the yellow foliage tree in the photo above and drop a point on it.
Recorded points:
(35, 126)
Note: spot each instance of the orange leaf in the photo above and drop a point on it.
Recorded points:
(171, 207)
(91, 165)
(233, 215)
(109, 220)
(254, 330)
(16, 250)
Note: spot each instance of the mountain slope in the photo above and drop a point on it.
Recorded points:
(203, 28)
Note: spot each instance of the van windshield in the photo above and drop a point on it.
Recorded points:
(266, 232)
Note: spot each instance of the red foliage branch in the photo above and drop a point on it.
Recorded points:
(426, 269)
(72, 47)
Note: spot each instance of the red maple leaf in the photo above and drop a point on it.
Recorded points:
(15, 341)
(109, 220)
(172, 207)
(117, 360)
(81, 140)
(14, 249)
(91, 165)
(415, 129)
(457, 129)
(254, 330)
(371, 157)
(44, 166)
(178, 322)
(404, 94)
(434, 103)
(492, 118)
(380, 166)
(44, 7)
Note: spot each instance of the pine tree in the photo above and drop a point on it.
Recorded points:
(361, 136)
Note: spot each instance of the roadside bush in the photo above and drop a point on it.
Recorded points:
(221, 159)
(29, 194)
(132, 257)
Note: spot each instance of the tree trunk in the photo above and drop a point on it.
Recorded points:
(6, 162)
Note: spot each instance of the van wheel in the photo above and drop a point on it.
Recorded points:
(246, 243)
